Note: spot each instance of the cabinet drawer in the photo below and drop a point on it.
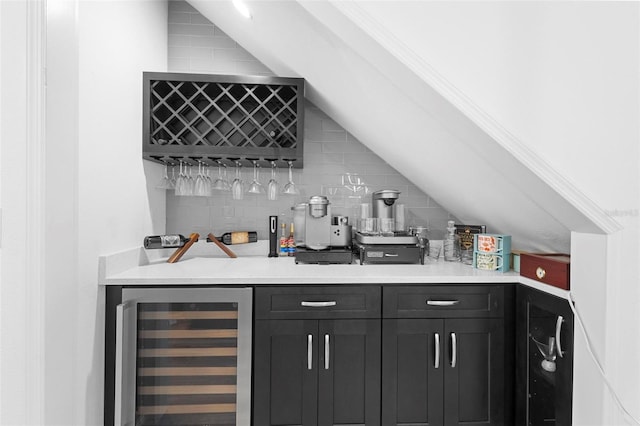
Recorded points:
(318, 302)
(443, 301)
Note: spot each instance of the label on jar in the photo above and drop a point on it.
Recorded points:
(239, 237)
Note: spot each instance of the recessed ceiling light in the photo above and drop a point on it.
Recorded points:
(242, 7)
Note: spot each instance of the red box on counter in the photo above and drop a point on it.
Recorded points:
(548, 268)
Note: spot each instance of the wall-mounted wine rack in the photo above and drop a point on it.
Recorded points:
(208, 117)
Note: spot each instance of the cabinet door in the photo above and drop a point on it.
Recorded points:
(349, 372)
(412, 372)
(285, 372)
(544, 352)
(474, 380)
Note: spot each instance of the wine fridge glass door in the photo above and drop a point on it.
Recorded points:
(192, 357)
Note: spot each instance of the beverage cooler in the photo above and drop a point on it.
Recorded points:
(182, 357)
(544, 357)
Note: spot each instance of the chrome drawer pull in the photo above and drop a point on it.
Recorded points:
(319, 304)
(436, 364)
(309, 352)
(442, 302)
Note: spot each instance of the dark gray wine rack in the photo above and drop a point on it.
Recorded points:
(208, 117)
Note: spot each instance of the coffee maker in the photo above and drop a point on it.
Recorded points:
(384, 203)
(326, 239)
(317, 232)
(384, 242)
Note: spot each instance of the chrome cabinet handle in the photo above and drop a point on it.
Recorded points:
(454, 350)
(326, 351)
(117, 415)
(559, 322)
(442, 302)
(436, 363)
(309, 352)
(319, 304)
(391, 255)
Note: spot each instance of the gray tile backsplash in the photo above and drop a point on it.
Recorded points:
(330, 152)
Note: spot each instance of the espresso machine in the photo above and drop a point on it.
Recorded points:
(379, 240)
(320, 237)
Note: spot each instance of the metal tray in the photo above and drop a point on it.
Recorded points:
(380, 239)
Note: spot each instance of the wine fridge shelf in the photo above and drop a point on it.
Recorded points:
(206, 117)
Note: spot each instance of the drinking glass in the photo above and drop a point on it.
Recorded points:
(182, 182)
(207, 177)
(256, 187)
(165, 183)
(221, 183)
(290, 188)
(172, 184)
(272, 187)
(386, 226)
(201, 186)
(432, 252)
(237, 186)
(190, 184)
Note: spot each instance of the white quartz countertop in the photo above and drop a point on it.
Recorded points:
(204, 263)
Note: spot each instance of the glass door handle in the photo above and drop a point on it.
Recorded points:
(118, 394)
(436, 363)
(559, 322)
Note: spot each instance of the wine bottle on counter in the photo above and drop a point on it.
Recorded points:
(165, 241)
(230, 238)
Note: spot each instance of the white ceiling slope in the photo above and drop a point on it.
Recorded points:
(393, 102)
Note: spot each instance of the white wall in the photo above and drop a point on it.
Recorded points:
(13, 300)
(564, 78)
(97, 196)
(22, 145)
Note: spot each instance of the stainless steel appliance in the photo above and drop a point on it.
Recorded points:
(383, 203)
(183, 356)
(317, 231)
(326, 239)
(382, 246)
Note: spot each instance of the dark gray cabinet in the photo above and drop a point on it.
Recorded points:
(544, 353)
(447, 355)
(317, 356)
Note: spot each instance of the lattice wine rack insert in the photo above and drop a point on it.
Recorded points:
(198, 116)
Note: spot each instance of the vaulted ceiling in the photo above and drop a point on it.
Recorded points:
(367, 79)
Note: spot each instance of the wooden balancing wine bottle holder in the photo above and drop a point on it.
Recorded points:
(180, 251)
(224, 248)
(193, 238)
